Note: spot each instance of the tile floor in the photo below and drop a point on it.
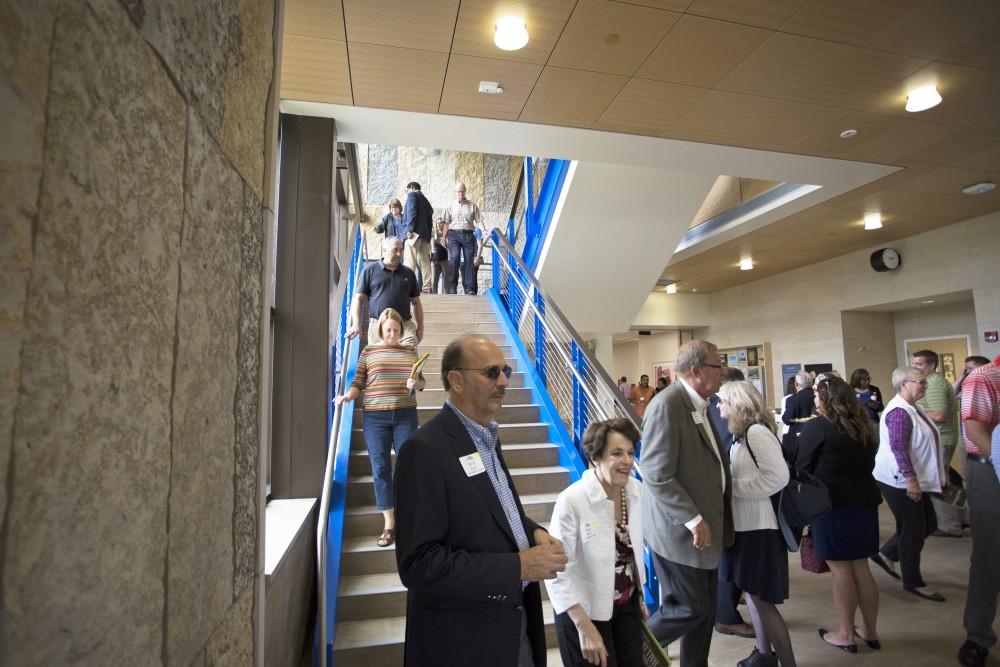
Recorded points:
(914, 632)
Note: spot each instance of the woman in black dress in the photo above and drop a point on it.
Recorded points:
(839, 446)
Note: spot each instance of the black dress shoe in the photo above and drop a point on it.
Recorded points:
(878, 560)
(972, 655)
(927, 595)
(849, 648)
(872, 643)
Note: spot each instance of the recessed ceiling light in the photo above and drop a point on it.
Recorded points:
(693, 289)
(672, 288)
(928, 301)
(746, 264)
(511, 33)
(873, 221)
(849, 133)
(490, 87)
(923, 98)
(979, 188)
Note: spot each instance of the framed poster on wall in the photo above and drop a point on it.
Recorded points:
(948, 366)
(663, 369)
(751, 356)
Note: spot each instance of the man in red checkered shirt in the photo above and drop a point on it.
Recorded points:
(981, 415)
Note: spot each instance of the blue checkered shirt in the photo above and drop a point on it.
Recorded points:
(485, 439)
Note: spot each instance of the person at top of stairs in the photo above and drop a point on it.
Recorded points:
(467, 553)
(389, 284)
(390, 409)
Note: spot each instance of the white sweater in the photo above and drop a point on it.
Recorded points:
(753, 487)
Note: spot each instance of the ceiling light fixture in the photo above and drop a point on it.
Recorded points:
(746, 264)
(511, 33)
(873, 221)
(922, 99)
(979, 188)
(928, 301)
(849, 133)
(672, 288)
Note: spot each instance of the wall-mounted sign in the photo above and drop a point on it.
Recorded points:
(990, 336)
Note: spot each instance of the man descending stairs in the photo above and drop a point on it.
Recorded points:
(371, 602)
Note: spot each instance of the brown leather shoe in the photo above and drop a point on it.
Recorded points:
(737, 629)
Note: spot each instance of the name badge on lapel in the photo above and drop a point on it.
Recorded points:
(472, 464)
(696, 416)
(588, 529)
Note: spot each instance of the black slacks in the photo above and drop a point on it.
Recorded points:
(687, 609)
(914, 522)
(462, 245)
(622, 636)
(727, 599)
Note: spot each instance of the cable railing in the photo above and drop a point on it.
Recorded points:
(580, 388)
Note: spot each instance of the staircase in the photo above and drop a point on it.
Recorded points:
(371, 602)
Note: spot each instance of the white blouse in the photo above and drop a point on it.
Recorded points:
(753, 486)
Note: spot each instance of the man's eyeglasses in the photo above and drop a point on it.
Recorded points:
(713, 365)
(492, 372)
(920, 382)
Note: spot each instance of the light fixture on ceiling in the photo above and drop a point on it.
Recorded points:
(490, 87)
(922, 99)
(511, 33)
(746, 264)
(979, 188)
(849, 133)
(672, 288)
(873, 221)
(928, 301)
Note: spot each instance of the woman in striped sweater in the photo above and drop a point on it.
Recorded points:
(390, 408)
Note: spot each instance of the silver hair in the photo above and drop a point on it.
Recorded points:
(904, 373)
(803, 379)
(391, 240)
(748, 407)
(693, 353)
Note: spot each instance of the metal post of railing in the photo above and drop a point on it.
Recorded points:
(539, 301)
(580, 406)
(529, 199)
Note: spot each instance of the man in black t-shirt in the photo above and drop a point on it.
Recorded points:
(388, 284)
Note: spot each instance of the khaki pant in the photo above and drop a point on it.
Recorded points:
(416, 253)
(408, 339)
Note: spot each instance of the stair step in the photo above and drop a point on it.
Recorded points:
(436, 350)
(379, 642)
(365, 521)
(435, 325)
(538, 479)
(516, 456)
(445, 337)
(510, 434)
(435, 397)
(508, 414)
(433, 316)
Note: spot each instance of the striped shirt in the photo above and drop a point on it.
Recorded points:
(462, 216)
(981, 400)
(382, 374)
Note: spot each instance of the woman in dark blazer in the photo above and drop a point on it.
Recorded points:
(869, 396)
(838, 447)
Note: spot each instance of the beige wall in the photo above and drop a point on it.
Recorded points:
(799, 311)
(131, 259)
(869, 343)
(635, 358)
(947, 320)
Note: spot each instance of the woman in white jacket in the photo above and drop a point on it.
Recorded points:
(598, 598)
(908, 466)
(757, 562)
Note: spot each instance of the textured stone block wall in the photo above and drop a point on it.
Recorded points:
(131, 259)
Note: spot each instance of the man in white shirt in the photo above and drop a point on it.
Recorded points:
(461, 220)
(687, 508)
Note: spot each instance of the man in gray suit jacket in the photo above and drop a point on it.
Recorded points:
(687, 510)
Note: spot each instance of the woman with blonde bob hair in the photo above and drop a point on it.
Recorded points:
(757, 562)
(390, 408)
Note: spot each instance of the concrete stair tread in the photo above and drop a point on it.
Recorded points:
(526, 499)
(514, 472)
(502, 426)
(507, 448)
(432, 408)
(390, 630)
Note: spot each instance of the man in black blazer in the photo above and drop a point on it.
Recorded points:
(799, 407)
(416, 230)
(469, 557)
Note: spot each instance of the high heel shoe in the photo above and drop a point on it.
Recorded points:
(872, 643)
(848, 648)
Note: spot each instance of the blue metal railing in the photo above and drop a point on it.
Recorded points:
(578, 391)
(329, 534)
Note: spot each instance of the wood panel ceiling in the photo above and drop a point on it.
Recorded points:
(781, 75)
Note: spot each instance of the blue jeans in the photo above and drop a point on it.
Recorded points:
(386, 430)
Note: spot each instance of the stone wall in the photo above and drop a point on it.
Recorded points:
(490, 181)
(131, 256)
